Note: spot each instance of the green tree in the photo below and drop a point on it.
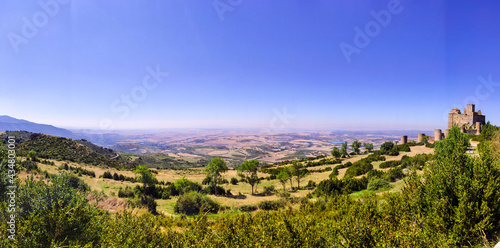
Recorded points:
(355, 146)
(145, 176)
(343, 150)
(214, 169)
(298, 171)
(336, 153)
(32, 155)
(387, 146)
(284, 175)
(368, 146)
(459, 201)
(248, 172)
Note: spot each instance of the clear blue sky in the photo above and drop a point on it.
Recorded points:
(68, 64)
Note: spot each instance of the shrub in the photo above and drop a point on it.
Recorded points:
(359, 168)
(284, 194)
(149, 202)
(375, 174)
(394, 174)
(234, 180)
(271, 205)
(126, 193)
(269, 190)
(388, 164)
(247, 208)
(194, 202)
(210, 190)
(403, 148)
(377, 184)
(394, 152)
(387, 146)
(206, 181)
(334, 173)
(107, 174)
(29, 165)
(76, 182)
(311, 184)
(185, 185)
(332, 187)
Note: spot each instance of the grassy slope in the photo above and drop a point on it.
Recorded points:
(111, 187)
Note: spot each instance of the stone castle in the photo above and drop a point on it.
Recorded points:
(471, 122)
(468, 119)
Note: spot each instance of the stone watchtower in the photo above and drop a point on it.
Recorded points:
(469, 118)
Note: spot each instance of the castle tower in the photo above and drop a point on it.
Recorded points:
(446, 133)
(437, 135)
(478, 128)
(471, 108)
(421, 137)
(404, 139)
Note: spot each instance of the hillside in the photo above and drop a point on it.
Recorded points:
(64, 149)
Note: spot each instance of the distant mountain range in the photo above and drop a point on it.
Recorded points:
(8, 123)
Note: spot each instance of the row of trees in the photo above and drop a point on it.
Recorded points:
(356, 147)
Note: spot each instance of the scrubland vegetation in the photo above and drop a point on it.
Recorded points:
(445, 199)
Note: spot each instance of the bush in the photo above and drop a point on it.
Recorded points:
(247, 208)
(388, 164)
(311, 184)
(29, 165)
(269, 190)
(185, 185)
(270, 205)
(126, 193)
(76, 182)
(284, 194)
(387, 146)
(194, 203)
(234, 180)
(377, 184)
(206, 181)
(394, 174)
(150, 203)
(375, 174)
(359, 168)
(332, 187)
(210, 190)
(334, 173)
(393, 152)
(107, 174)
